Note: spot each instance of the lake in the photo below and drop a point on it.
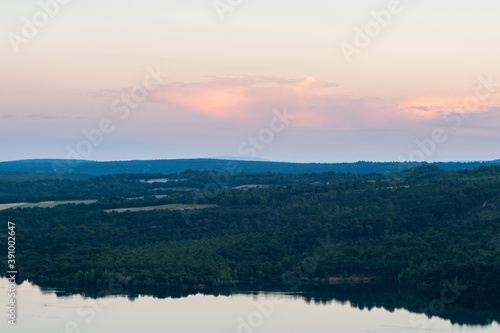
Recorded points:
(44, 310)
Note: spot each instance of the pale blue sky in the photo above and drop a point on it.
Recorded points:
(64, 80)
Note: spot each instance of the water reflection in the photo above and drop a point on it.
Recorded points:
(359, 297)
(270, 309)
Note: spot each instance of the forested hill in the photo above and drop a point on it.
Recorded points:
(180, 165)
(417, 230)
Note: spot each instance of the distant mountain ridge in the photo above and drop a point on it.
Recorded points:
(181, 165)
(239, 158)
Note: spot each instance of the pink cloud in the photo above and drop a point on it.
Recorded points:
(315, 103)
(213, 101)
(435, 106)
(239, 98)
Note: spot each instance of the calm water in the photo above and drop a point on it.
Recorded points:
(42, 311)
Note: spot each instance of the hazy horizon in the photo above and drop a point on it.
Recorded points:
(235, 158)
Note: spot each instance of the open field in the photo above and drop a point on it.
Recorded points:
(158, 196)
(160, 180)
(11, 205)
(180, 189)
(45, 204)
(162, 207)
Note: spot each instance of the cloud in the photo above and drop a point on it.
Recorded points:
(40, 116)
(422, 108)
(229, 104)
(7, 116)
(263, 80)
(250, 100)
(480, 121)
(238, 98)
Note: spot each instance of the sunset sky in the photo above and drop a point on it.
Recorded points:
(284, 80)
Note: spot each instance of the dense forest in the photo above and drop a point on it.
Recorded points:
(35, 187)
(419, 230)
(61, 167)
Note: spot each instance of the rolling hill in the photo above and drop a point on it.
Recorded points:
(180, 165)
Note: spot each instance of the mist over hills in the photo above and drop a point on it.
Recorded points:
(179, 165)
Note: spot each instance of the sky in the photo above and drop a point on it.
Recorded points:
(283, 80)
